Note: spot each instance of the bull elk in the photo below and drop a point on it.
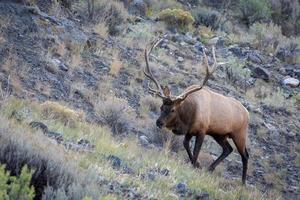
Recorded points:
(198, 112)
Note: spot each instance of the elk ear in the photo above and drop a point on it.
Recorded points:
(166, 91)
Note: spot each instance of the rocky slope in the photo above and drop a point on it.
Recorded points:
(59, 58)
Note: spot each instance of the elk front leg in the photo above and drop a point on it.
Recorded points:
(197, 148)
(186, 144)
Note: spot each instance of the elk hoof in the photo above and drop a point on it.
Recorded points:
(211, 169)
(196, 165)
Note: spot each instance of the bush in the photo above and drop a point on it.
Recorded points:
(177, 18)
(112, 13)
(155, 6)
(12, 187)
(287, 14)
(236, 73)
(163, 138)
(115, 15)
(116, 113)
(54, 110)
(149, 104)
(267, 36)
(207, 17)
(254, 11)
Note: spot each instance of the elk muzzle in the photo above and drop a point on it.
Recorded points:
(159, 123)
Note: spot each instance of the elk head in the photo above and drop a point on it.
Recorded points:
(169, 115)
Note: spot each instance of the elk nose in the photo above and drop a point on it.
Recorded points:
(159, 123)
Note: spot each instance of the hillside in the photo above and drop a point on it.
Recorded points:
(76, 109)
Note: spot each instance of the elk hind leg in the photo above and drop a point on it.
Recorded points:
(240, 144)
(227, 149)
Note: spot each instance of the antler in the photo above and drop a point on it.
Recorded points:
(148, 72)
(208, 74)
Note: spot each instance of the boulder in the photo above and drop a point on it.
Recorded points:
(260, 72)
(181, 188)
(255, 57)
(292, 70)
(116, 161)
(144, 140)
(290, 81)
(238, 51)
(180, 59)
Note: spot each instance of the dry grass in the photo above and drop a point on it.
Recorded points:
(16, 83)
(116, 65)
(101, 29)
(2, 39)
(9, 64)
(60, 49)
(149, 104)
(139, 159)
(43, 88)
(206, 33)
(67, 116)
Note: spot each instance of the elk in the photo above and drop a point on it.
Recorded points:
(198, 112)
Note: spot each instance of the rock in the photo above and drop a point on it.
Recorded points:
(221, 42)
(165, 172)
(238, 51)
(85, 143)
(60, 64)
(189, 39)
(199, 46)
(291, 134)
(151, 176)
(255, 57)
(292, 70)
(39, 125)
(56, 136)
(260, 72)
(180, 59)
(144, 140)
(63, 67)
(213, 41)
(202, 196)
(116, 161)
(127, 170)
(177, 38)
(273, 131)
(293, 82)
(181, 188)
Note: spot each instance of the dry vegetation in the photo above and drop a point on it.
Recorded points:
(67, 172)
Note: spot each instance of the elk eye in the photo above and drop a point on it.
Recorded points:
(173, 110)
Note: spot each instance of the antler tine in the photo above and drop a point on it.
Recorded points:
(206, 69)
(208, 73)
(147, 71)
(155, 92)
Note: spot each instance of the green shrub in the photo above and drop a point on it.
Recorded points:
(287, 11)
(141, 32)
(12, 187)
(177, 18)
(254, 10)
(116, 114)
(155, 6)
(112, 13)
(207, 17)
(115, 16)
(266, 36)
(237, 73)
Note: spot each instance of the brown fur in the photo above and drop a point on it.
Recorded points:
(205, 112)
(198, 112)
